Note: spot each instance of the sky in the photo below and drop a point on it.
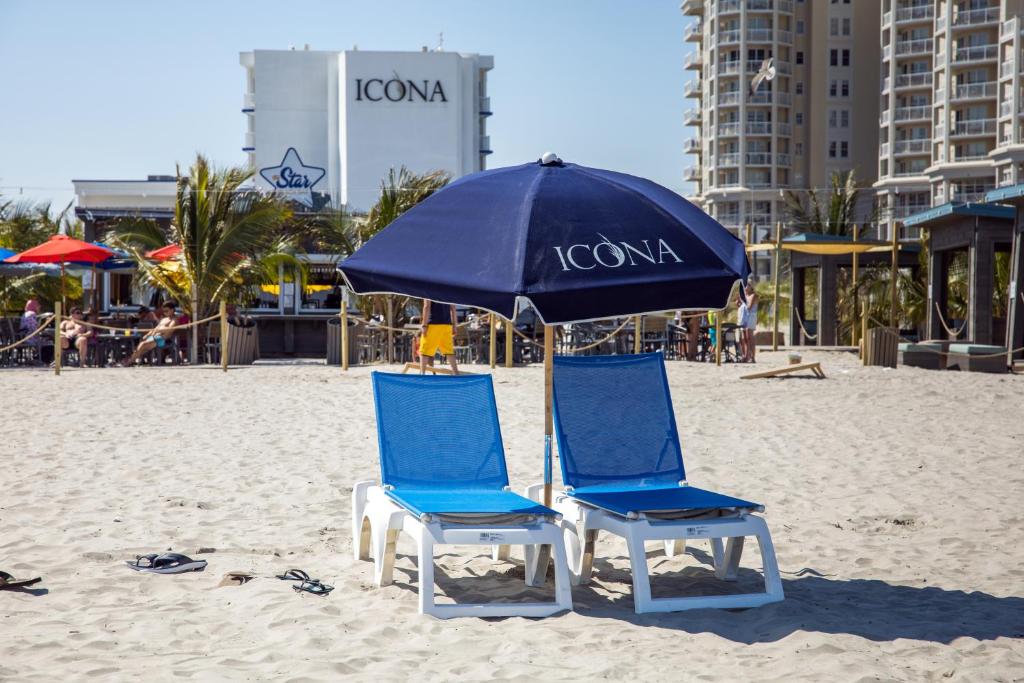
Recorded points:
(106, 89)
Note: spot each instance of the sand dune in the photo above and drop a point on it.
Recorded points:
(893, 497)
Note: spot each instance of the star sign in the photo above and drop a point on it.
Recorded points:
(294, 178)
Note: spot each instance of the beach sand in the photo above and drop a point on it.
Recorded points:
(893, 497)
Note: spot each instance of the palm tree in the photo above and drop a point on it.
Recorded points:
(230, 236)
(827, 214)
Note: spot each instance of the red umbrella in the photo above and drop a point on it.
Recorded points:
(61, 248)
(164, 253)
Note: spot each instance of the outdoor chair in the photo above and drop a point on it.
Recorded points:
(622, 467)
(444, 481)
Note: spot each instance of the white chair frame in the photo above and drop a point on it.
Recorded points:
(377, 520)
(583, 523)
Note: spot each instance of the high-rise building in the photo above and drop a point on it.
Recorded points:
(327, 126)
(951, 106)
(816, 117)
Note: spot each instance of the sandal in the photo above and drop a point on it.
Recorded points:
(167, 563)
(294, 575)
(313, 586)
(8, 581)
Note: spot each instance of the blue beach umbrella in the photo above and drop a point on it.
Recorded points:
(576, 243)
(24, 268)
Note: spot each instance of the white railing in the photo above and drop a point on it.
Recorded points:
(692, 114)
(692, 6)
(783, 129)
(694, 32)
(968, 197)
(729, 99)
(728, 129)
(902, 211)
(970, 157)
(1006, 69)
(760, 35)
(903, 171)
(692, 173)
(1005, 108)
(761, 5)
(886, 17)
(692, 88)
(759, 128)
(250, 139)
(915, 80)
(725, 6)
(729, 159)
(940, 24)
(912, 146)
(940, 130)
(986, 15)
(485, 104)
(249, 100)
(914, 13)
(974, 90)
(726, 68)
(730, 36)
(914, 47)
(693, 60)
(692, 145)
(883, 149)
(785, 37)
(913, 113)
(974, 127)
(975, 53)
(759, 158)
(884, 118)
(782, 159)
(485, 143)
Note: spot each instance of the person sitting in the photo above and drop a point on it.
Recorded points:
(146, 315)
(73, 334)
(29, 323)
(160, 336)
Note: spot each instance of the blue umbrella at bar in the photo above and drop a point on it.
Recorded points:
(25, 268)
(575, 243)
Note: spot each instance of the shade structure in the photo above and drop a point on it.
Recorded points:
(164, 253)
(62, 249)
(576, 243)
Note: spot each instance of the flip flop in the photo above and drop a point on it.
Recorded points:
(8, 581)
(167, 563)
(236, 579)
(313, 586)
(294, 575)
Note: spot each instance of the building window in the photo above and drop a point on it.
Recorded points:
(800, 88)
(833, 57)
(844, 149)
(832, 150)
(844, 118)
(799, 27)
(846, 58)
(799, 118)
(846, 27)
(798, 148)
(833, 27)
(832, 88)
(799, 57)
(846, 88)
(832, 118)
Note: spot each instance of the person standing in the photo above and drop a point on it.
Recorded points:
(437, 333)
(748, 322)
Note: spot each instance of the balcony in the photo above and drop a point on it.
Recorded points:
(884, 118)
(692, 117)
(886, 18)
(485, 144)
(760, 35)
(728, 68)
(916, 80)
(902, 147)
(976, 17)
(754, 65)
(883, 149)
(729, 99)
(887, 52)
(1008, 28)
(693, 88)
(978, 53)
(249, 102)
(729, 36)
(921, 46)
(730, 129)
(917, 13)
(968, 197)
(1005, 109)
(767, 97)
(729, 6)
(784, 37)
(913, 113)
(974, 91)
(692, 146)
(758, 128)
(980, 156)
(783, 129)
(694, 60)
(1006, 69)
(485, 106)
(692, 6)
(250, 142)
(729, 159)
(694, 33)
(692, 173)
(973, 128)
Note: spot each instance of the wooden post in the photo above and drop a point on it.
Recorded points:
(775, 280)
(344, 329)
(225, 331)
(549, 422)
(493, 346)
(718, 336)
(864, 332)
(853, 308)
(638, 333)
(748, 237)
(193, 352)
(58, 352)
(508, 343)
(391, 335)
(895, 274)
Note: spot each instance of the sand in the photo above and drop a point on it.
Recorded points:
(893, 497)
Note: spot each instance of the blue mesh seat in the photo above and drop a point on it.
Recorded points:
(617, 439)
(441, 451)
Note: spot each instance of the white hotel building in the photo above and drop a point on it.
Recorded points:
(326, 125)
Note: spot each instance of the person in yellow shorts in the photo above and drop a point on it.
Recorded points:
(437, 333)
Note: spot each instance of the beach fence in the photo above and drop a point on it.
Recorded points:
(58, 317)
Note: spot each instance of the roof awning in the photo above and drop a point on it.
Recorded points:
(950, 210)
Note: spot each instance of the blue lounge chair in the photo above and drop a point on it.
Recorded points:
(444, 481)
(622, 467)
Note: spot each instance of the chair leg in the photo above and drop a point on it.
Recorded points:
(728, 569)
(717, 552)
(501, 552)
(587, 555)
(359, 493)
(537, 565)
(426, 566)
(772, 580)
(675, 546)
(385, 540)
(363, 540)
(641, 577)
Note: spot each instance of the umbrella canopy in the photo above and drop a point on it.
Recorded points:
(165, 253)
(62, 249)
(23, 268)
(577, 243)
(6, 253)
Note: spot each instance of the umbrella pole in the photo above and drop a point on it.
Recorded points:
(508, 343)
(549, 423)
(194, 350)
(63, 296)
(856, 262)
(58, 352)
(637, 333)
(895, 272)
(344, 330)
(493, 347)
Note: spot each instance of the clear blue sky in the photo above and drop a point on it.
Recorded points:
(124, 89)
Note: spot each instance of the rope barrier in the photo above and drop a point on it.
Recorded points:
(888, 330)
(942, 321)
(800, 321)
(605, 339)
(23, 340)
(144, 329)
